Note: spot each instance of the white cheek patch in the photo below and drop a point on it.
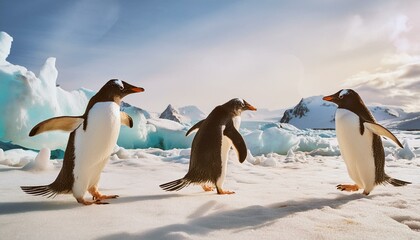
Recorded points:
(344, 92)
(240, 100)
(119, 83)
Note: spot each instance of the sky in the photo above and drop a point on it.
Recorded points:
(203, 53)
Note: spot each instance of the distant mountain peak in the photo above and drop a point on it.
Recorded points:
(171, 113)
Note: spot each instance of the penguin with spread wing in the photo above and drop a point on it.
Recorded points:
(210, 147)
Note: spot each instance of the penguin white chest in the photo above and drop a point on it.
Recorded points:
(356, 148)
(226, 146)
(94, 145)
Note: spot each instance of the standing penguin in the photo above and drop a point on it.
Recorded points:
(92, 139)
(358, 136)
(210, 147)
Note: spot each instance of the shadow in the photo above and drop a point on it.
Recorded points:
(10, 169)
(240, 219)
(144, 198)
(22, 207)
(53, 204)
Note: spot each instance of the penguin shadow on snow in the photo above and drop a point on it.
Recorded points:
(241, 219)
(139, 198)
(53, 205)
(23, 207)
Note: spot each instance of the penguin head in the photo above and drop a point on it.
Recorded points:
(237, 105)
(116, 89)
(345, 98)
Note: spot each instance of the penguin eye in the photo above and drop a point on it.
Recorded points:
(340, 97)
(121, 87)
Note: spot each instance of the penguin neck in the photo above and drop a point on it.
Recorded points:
(237, 121)
(362, 111)
(117, 100)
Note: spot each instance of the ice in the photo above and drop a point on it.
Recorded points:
(41, 162)
(5, 46)
(280, 138)
(16, 157)
(407, 152)
(30, 100)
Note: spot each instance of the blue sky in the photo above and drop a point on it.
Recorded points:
(271, 53)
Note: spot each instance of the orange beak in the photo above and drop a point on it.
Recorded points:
(250, 107)
(328, 98)
(137, 89)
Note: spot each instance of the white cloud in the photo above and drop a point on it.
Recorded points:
(398, 85)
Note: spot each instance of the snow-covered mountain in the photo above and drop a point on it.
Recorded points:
(193, 113)
(184, 115)
(313, 112)
(172, 114)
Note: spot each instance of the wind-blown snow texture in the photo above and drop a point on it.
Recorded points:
(277, 197)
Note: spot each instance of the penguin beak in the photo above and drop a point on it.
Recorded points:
(249, 106)
(137, 89)
(329, 98)
(128, 88)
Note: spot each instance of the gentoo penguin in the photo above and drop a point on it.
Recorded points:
(210, 147)
(92, 139)
(358, 136)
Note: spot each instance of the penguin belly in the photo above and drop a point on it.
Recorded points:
(94, 145)
(356, 149)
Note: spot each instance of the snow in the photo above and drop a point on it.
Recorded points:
(173, 114)
(5, 46)
(289, 196)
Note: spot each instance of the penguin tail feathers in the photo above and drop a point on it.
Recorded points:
(175, 185)
(45, 190)
(396, 182)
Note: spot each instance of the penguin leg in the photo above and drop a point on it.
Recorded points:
(219, 187)
(207, 188)
(98, 196)
(347, 187)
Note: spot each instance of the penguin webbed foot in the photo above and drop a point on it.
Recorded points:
(348, 187)
(102, 197)
(87, 203)
(224, 192)
(207, 188)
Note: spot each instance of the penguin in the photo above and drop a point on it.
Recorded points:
(210, 147)
(358, 136)
(93, 136)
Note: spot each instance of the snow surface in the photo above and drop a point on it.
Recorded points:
(289, 196)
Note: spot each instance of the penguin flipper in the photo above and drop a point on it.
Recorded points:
(194, 128)
(64, 123)
(382, 131)
(126, 120)
(237, 140)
